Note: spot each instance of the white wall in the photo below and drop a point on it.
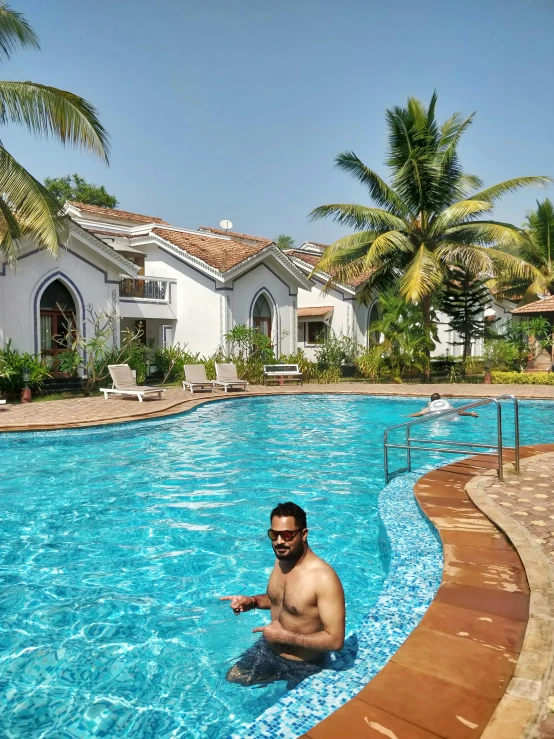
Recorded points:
(271, 278)
(90, 277)
(195, 302)
(344, 319)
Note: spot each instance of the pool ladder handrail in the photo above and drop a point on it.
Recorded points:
(495, 450)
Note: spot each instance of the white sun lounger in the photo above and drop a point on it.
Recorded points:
(125, 384)
(227, 377)
(195, 377)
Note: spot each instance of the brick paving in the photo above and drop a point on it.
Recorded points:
(529, 499)
(96, 410)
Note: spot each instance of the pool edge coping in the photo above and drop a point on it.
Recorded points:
(532, 686)
(503, 715)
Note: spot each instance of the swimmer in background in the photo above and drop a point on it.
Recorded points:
(438, 404)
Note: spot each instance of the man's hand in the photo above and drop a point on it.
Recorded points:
(240, 603)
(274, 633)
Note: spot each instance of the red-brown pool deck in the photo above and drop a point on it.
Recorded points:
(450, 677)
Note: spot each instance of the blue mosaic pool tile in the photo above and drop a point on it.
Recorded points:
(414, 577)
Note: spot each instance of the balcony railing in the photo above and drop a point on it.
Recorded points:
(144, 289)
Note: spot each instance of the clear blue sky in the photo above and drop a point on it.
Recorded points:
(236, 108)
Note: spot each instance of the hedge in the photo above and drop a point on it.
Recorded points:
(522, 378)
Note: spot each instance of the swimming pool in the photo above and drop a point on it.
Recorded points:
(117, 542)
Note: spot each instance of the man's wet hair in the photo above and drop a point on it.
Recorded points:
(282, 510)
(435, 396)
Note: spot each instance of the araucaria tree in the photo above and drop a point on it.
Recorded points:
(428, 217)
(464, 301)
(26, 206)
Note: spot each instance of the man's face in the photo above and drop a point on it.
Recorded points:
(288, 549)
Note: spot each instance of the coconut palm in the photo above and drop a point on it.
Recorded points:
(429, 216)
(538, 251)
(26, 207)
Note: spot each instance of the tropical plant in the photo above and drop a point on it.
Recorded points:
(335, 351)
(537, 251)
(528, 338)
(74, 187)
(26, 206)
(407, 341)
(249, 343)
(500, 355)
(93, 355)
(284, 242)
(12, 365)
(171, 361)
(370, 362)
(464, 300)
(425, 218)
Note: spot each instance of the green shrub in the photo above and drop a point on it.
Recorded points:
(12, 364)
(501, 355)
(522, 378)
(370, 363)
(308, 368)
(171, 361)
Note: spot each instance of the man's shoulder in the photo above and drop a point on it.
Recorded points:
(322, 570)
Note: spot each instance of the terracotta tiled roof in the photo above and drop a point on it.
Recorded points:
(115, 214)
(222, 254)
(319, 310)
(539, 306)
(235, 235)
(313, 261)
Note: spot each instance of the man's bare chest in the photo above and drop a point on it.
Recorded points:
(293, 595)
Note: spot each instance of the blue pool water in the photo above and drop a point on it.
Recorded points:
(116, 543)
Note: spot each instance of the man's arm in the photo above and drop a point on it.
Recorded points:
(330, 602)
(242, 603)
(468, 413)
(422, 412)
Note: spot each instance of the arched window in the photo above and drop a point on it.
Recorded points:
(57, 321)
(262, 316)
(373, 337)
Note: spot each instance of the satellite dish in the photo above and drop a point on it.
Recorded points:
(226, 225)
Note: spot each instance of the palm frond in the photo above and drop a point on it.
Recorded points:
(457, 212)
(15, 32)
(359, 216)
(53, 113)
(33, 210)
(485, 233)
(380, 192)
(424, 275)
(502, 188)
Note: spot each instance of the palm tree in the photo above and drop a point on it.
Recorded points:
(26, 207)
(425, 219)
(538, 251)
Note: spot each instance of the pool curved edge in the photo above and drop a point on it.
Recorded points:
(412, 581)
(455, 667)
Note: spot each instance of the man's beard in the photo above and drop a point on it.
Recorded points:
(287, 553)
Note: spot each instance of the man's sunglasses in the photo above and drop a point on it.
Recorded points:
(285, 535)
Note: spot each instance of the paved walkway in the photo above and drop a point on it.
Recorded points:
(523, 506)
(93, 411)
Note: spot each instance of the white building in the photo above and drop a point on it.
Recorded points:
(181, 286)
(340, 311)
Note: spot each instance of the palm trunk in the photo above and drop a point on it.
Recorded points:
(427, 325)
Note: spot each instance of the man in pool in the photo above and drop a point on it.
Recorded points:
(438, 404)
(306, 600)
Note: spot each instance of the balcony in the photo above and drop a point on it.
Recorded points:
(147, 297)
(144, 288)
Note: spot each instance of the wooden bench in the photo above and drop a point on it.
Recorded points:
(282, 373)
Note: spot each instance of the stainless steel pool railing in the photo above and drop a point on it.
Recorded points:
(414, 444)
